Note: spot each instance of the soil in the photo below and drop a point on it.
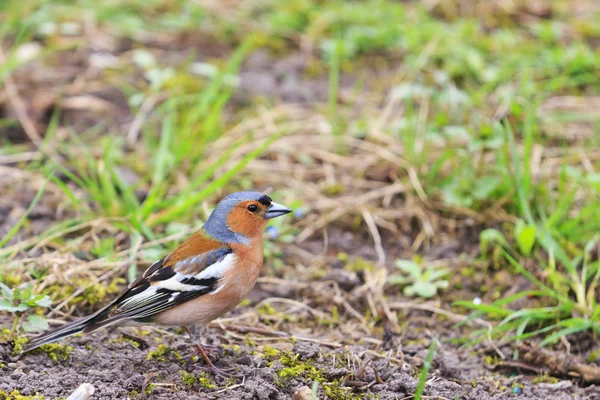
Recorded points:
(119, 370)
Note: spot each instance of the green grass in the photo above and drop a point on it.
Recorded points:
(466, 93)
(425, 370)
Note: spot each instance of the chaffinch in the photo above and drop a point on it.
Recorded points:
(203, 278)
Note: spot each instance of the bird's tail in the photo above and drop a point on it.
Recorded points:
(70, 329)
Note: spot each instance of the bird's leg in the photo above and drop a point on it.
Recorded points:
(195, 332)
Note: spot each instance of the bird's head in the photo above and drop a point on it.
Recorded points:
(242, 216)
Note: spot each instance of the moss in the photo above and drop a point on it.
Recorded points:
(96, 293)
(359, 264)
(188, 379)
(245, 303)
(335, 390)
(205, 381)
(516, 387)
(159, 354)
(545, 379)
(293, 367)
(133, 394)
(267, 309)
(491, 360)
(296, 368)
(123, 339)
(230, 382)
(232, 348)
(56, 351)
(270, 352)
(150, 388)
(178, 357)
(15, 395)
(4, 334)
(343, 257)
(18, 345)
(334, 189)
(335, 314)
(417, 342)
(468, 272)
(593, 356)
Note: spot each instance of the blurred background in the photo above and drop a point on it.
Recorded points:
(441, 157)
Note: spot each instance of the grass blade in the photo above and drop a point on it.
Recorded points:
(15, 229)
(425, 370)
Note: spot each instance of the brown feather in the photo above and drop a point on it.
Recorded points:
(196, 244)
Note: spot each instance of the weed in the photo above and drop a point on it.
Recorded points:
(204, 380)
(160, 353)
(419, 280)
(16, 395)
(425, 370)
(56, 351)
(188, 379)
(18, 301)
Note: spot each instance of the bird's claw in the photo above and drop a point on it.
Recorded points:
(209, 349)
(223, 372)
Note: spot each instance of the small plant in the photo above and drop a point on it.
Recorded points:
(423, 281)
(18, 301)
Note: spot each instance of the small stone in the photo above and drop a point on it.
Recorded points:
(302, 393)
(306, 350)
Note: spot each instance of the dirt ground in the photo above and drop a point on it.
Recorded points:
(383, 366)
(117, 369)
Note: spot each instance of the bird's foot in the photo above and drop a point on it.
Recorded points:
(223, 372)
(210, 350)
(210, 367)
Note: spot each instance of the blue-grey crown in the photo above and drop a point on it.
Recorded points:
(216, 224)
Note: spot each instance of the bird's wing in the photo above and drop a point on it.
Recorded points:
(169, 282)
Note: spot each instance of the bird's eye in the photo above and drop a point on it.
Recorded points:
(252, 208)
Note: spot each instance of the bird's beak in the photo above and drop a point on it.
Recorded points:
(276, 210)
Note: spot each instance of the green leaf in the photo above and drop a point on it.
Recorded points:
(525, 237)
(441, 284)
(436, 274)
(409, 291)
(45, 301)
(7, 292)
(409, 267)
(425, 289)
(7, 305)
(564, 332)
(398, 280)
(35, 323)
(485, 186)
(491, 236)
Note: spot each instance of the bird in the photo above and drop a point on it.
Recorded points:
(206, 276)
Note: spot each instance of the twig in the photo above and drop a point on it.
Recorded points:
(374, 234)
(559, 364)
(20, 109)
(140, 117)
(232, 386)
